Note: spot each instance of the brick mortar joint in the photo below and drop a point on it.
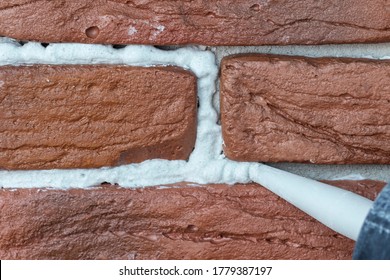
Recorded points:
(218, 52)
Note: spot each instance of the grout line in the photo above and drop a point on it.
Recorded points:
(206, 164)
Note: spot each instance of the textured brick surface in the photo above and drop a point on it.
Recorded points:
(280, 108)
(216, 22)
(92, 116)
(209, 222)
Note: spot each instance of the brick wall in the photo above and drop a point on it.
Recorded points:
(84, 128)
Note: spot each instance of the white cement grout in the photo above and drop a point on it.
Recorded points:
(207, 163)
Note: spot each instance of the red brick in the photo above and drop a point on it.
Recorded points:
(222, 22)
(320, 110)
(93, 116)
(207, 222)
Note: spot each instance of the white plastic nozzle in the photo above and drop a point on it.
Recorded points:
(340, 210)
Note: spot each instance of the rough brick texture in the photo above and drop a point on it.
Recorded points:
(93, 116)
(209, 222)
(280, 108)
(216, 22)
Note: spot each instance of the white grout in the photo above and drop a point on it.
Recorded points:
(206, 164)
